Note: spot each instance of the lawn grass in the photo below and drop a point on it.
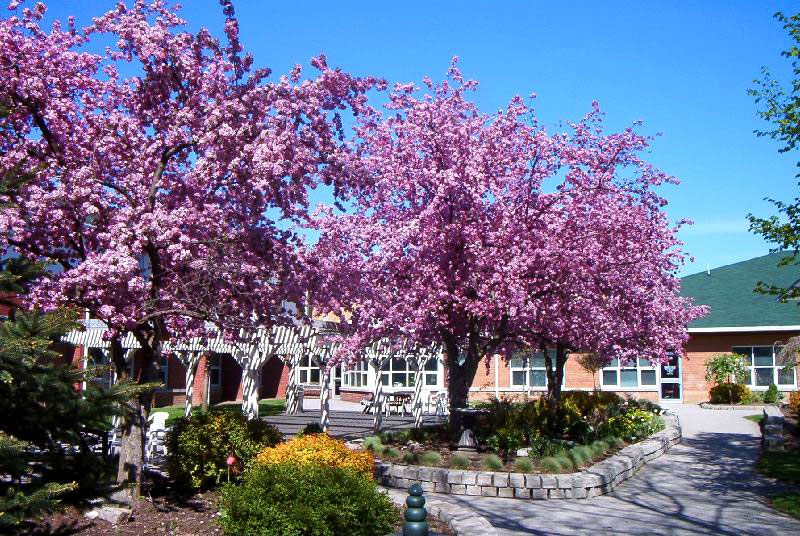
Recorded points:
(266, 408)
(758, 419)
(784, 466)
(787, 502)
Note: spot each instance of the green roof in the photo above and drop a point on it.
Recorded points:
(728, 291)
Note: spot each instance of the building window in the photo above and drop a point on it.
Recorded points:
(215, 370)
(533, 368)
(309, 372)
(399, 373)
(356, 375)
(100, 364)
(163, 371)
(431, 373)
(763, 367)
(639, 373)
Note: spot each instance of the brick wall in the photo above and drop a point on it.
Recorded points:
(703, 346)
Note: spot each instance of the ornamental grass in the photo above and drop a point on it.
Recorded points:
(319, 450)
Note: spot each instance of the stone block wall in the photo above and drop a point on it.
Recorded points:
(772, 429)
(598, 479)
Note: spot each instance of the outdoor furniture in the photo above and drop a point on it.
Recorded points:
(156, 434)
(370, 403)
(430, 403)
(399, 402)
(442, 405)
(367, 402)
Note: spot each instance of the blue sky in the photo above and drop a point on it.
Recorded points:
(681, 67)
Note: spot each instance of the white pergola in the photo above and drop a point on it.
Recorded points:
(291, 343)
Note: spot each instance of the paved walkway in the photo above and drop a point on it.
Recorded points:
(705, 485)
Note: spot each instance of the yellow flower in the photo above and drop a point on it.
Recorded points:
(320, 450)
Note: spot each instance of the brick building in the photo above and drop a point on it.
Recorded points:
(740, 321)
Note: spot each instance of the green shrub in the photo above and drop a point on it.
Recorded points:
(459, 461)
(593, 405)
(410, 457)
(565, 463)
(753, 397)
(577, 457)
(311, 428)
(275, 500)
(373, 443)
(493, 463)
(727, 393)
(771, 394)
(549, 464)
(523, 465)
(598, 448)
(584, 452)
(506, 440)
(614, 442)
(391, 452)
(430, 458)
(199, 446)
(541, 447)
(631, 426)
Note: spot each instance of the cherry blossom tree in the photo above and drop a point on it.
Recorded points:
(484, 234)
(160, 199)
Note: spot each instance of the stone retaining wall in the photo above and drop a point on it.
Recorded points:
(772, 430)
(598, 479)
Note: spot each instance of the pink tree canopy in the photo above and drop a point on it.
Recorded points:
(162, 198)
(485, 234)
(151, 192)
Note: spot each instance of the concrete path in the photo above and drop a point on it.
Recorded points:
(705, 485)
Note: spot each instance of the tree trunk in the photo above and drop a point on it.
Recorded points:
(459, 377)
(131, 458)
(555, 375)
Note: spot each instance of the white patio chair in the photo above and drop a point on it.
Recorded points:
(156, 434)
(442, 405)
(430, 402)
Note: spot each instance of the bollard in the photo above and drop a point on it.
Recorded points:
(416, 517)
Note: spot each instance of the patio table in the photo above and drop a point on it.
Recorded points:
(399, 400)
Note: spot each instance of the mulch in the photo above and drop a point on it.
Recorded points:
(170, 515)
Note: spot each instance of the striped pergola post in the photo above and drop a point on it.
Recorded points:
(377, 356)
(190, 360)
(418, 362)
(325, 396)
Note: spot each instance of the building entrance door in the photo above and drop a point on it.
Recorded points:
(671, 380)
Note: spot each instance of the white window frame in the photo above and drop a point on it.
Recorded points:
(532, 364)
(435, 373)
(388, 372)
(640, 366)
(752, 366)
(308, 367)
(356, 375)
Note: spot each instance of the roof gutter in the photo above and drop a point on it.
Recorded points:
(740, 329)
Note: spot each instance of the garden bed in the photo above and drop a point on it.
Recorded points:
(598, 479)
(172, 515)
